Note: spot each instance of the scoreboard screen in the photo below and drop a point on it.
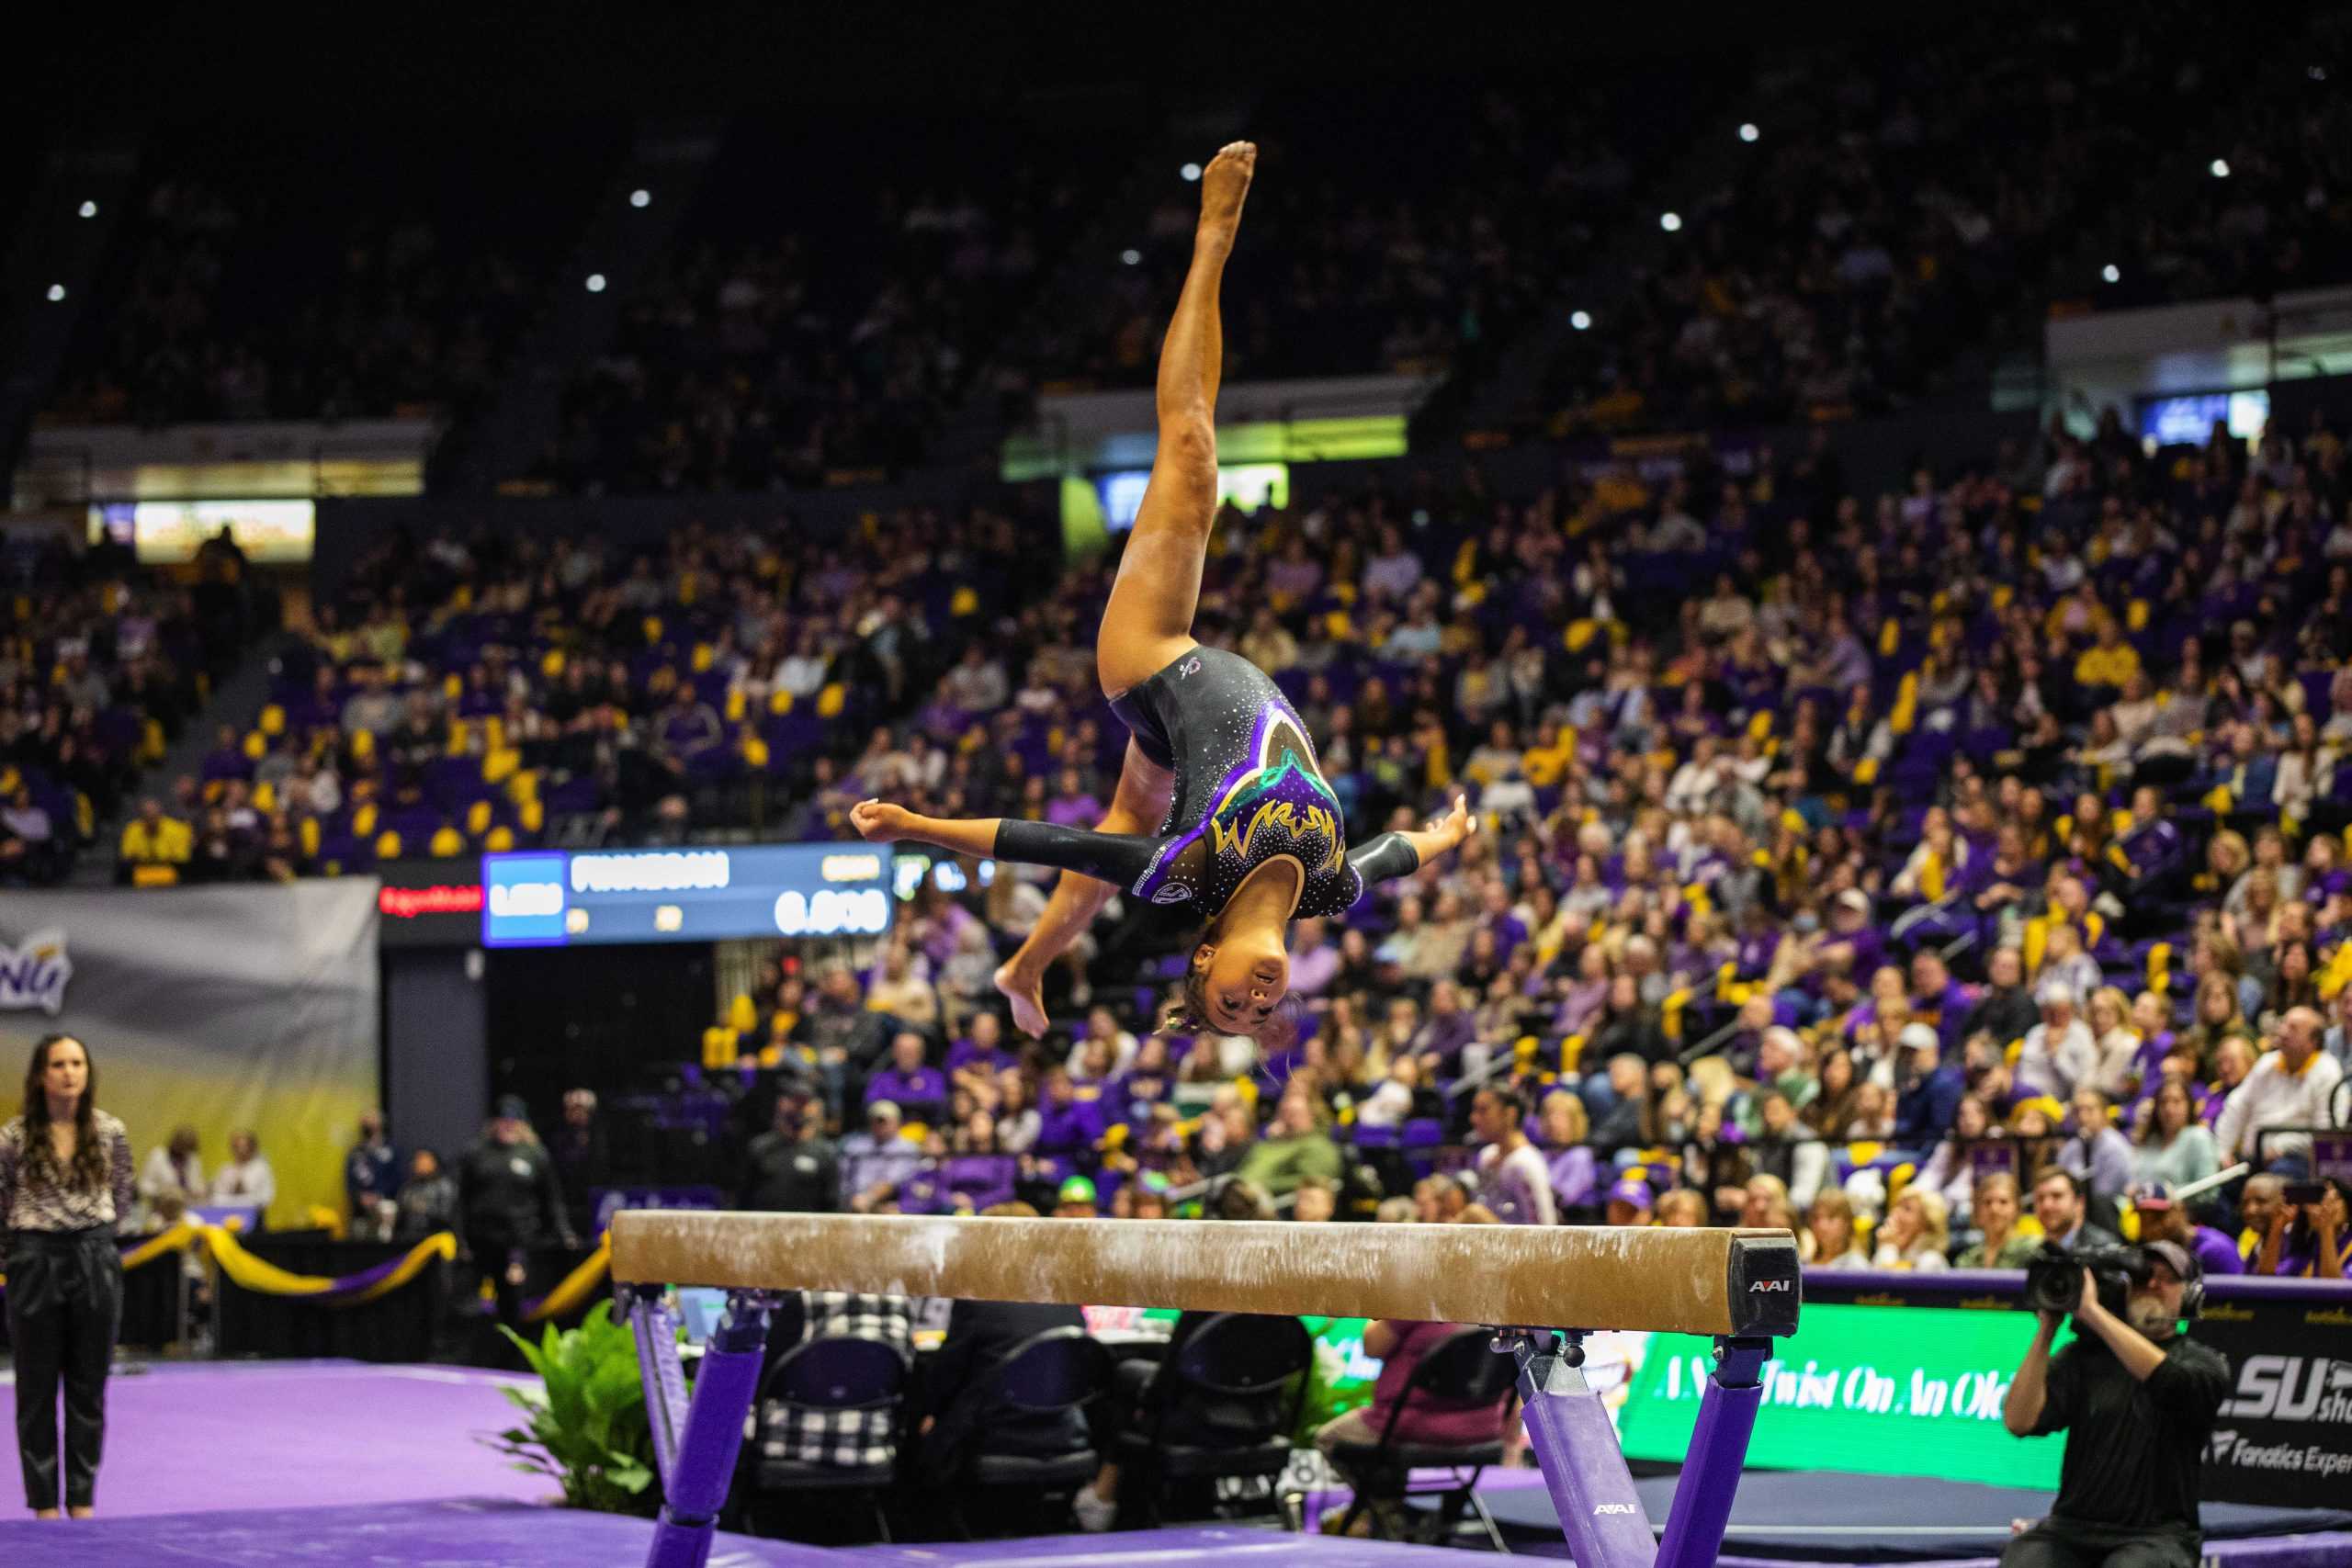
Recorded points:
(566, 898)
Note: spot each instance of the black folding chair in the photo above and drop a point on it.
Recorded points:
(1463, 1369)
(1048, 1374)
(1227, 1380)
(832, 1377)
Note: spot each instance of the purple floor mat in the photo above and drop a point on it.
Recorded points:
(484, 1533)
(1198, 1548)
(192, 1437)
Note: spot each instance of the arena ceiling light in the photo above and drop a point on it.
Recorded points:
(596, 283)
(2221, 167)
(2111, 273)
(1671, 221)
(1747, 132)
(640, 197)
(1189, 173)
(1132, 258)
(1581, 319)
(89, 209)
(56, 292)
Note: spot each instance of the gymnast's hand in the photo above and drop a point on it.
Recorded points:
(1455, 825)
(879, 822)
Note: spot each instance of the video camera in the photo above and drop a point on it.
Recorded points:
(2054, 1277)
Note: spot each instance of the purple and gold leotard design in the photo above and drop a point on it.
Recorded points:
(1247, 792)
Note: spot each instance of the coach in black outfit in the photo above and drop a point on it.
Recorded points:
(509, 1202)
(787, 1171)
(2136, 1398)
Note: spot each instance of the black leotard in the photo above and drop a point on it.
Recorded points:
(1248, 791)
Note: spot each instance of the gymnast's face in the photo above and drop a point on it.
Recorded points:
(1242, 986)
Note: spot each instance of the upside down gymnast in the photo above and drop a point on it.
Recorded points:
(1220, 806)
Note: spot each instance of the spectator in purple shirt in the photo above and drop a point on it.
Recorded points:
(918, 1088)
(1939, 999)
(1849, 927)
(982, 1051)
(1314, 962)
(1443, 1034)
(2164, 1218)
(689, 729)
(1068, 1122)
(1508, 929)
(1073, 805)
(227, 759)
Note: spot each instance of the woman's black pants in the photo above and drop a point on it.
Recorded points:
(65, 1308)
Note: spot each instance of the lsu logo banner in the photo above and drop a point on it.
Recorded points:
(33, 974)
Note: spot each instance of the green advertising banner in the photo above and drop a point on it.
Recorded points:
(1863, 1389)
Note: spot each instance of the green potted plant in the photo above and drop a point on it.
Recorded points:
(588, 1428)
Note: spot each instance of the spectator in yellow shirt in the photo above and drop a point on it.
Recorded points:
(2110, 661)
(153, 838)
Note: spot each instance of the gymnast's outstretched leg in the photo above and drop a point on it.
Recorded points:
(1147, 624)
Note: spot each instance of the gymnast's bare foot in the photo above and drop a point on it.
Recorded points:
(1224, 184)
(1026, 992)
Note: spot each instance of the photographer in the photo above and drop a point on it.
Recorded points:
(2137, 1398)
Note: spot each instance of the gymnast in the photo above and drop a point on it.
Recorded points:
(1247, 834)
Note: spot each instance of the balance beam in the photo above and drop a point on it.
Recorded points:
(1585, 1277)
(1542, 1286)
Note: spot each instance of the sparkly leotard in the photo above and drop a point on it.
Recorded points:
(1248, 791)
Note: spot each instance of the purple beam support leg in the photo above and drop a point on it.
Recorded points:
(695, 1487)
(1702, 1498)
(656, 1328)
(1585, 1470)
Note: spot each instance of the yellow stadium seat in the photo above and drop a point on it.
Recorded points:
(702, 656)
(523, 786)
(962, 601)
(551, 663)
(273, 720)
(308, 835)
(387, 845)
(739, 704)
(265, 796)
(478, 818)
(363, 821)
(779, 701)
(755, 751)
(363, 743)
(497, 766)
(155, 875)
(255, 746)
(500, 839)
(832, 700)
(652, 629)
(533, 815)
(453, 686)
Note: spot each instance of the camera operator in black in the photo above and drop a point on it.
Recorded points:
(2137, 1399)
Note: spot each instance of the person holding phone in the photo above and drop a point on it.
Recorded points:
(2307, 1237)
